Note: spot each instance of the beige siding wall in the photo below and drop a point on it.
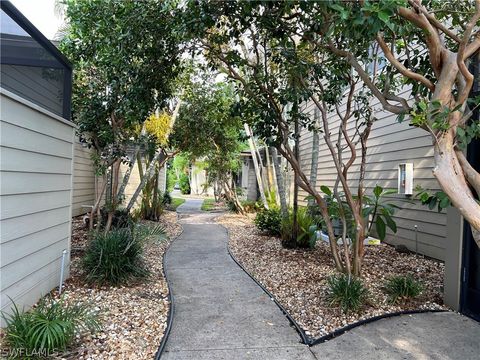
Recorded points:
(198, 179)
(83, 180)
(390, 144)
(36, 157)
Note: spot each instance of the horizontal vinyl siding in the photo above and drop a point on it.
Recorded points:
(83, 180)
(36, 157)
(390, 143)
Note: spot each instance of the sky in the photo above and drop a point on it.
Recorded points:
(41, 13)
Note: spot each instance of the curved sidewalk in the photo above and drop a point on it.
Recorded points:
(220, 313)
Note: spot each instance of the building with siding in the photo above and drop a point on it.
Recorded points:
(390, 143)
(85, 184)
(36, 161)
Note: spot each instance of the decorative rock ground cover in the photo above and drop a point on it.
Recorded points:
(133, 317)
(298, 278)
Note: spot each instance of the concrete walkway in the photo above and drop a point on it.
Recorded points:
(220, 313)
(442, 336)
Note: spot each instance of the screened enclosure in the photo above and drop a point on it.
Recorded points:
(31, 66)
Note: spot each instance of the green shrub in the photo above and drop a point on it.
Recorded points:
(184, 184)
(48, 327)
(121, 218)
(307, 230)
(269, 220)
(251, 206)
(231, 206)
(114, 257)
(402, 288)
(166, 198)
(346, 291)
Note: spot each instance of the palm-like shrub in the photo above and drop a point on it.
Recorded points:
(347, 292)
(307, 230)
(48, 327)
(114, 257)
(401, 288)
(269, 221)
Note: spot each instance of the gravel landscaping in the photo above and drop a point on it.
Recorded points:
(298, 278)
(133, 317)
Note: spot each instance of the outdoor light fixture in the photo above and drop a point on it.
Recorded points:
(405, 179)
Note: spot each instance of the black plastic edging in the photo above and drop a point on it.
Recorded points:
(171, 309)
(307, 340)
(303, 336)
(349, 327)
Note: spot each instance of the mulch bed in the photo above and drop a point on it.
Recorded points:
(133, 317)
(298, 278)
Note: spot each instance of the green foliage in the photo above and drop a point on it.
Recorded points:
(208, 204)
(126, 57)
(48, 327)
(269, 221)
(347, 292)
(176, 202)
(380, 211)
(151, 207)
(231, 206)
(121, 218)
(307, 230)
(115, 257)
(438, 199)
(166, 198)
(184, 183)
(401, 288)
(251, 206)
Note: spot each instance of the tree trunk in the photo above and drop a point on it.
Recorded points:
(113, 203)
(256, 166)
(98, 200)
(314, 163)
(449, 174)
(279, 182)
(126, 177)
(147, 176)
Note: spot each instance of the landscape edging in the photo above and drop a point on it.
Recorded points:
(307, 340)
(171, 309)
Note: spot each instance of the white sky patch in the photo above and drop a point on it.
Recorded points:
(41, 13)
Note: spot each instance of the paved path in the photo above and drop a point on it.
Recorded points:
(440, 336)
(220, 313)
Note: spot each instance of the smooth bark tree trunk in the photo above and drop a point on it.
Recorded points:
(256, 165)
(126, 177)
(314, 163)
(147, 176)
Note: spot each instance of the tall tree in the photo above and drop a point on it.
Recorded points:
(244, 40)
(126, 56)
(429, 47)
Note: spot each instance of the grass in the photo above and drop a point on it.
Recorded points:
(208, 205)
(49, 327)
(402, 288)
(176, 202)
(347, 292)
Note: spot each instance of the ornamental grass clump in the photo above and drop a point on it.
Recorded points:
(115, 257)
(402, 288)
(47, 328)
(347, 292)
